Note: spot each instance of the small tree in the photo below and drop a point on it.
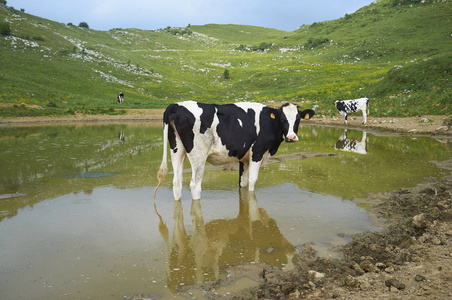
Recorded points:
(84, 25)
(3, 2)
(226, 75)
(5, 28)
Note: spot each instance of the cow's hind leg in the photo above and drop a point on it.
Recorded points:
(364, 116)
(177, 159)
(198, 163)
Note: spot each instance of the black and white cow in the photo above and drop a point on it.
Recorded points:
(248, 133)
(120, 97)
(351, 106)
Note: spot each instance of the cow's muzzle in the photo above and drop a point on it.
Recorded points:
(291, 138)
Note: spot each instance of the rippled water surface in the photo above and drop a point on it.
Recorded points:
(78, 218)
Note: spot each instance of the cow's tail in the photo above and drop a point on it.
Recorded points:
(163, 170)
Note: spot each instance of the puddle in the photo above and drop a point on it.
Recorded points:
(102, 235)
(93, 175)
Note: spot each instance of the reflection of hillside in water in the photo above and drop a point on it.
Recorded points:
(251, 237)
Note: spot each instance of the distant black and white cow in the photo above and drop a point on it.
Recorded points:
(120, 97)
(351, 106)
(248, 133)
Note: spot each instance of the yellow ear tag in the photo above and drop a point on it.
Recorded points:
(306, 116)
(272, 115)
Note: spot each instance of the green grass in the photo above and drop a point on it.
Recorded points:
(397, 55)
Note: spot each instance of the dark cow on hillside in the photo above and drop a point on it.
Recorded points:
(248, 133)
(120, 97)
(351, 106)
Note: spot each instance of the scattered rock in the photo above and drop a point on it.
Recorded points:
(393, 282)
(270, 250)
(389, 270)
(442, 128)
(367, 266)
(357, 268)
(419, 221)
(419, 278)
(316, 276)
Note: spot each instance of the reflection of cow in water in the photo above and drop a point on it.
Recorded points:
(351, 145)
(251, 237)
(121, 136)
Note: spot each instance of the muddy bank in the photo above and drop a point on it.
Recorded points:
(435, 125)
(410, 258)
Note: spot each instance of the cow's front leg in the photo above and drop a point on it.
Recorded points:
(243, 174)
(343, 113)
(253, 174)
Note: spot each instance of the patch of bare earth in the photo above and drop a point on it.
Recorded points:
(432, 124)
(437, 125)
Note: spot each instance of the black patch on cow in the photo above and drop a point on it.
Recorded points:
(180, 119)
(208, 113)
(236, 129)
(340, 106)
(270, 134)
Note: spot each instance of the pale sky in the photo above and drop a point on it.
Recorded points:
(285, 15)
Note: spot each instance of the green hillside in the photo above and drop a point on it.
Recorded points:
(396, 52)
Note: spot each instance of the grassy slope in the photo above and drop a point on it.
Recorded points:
(396, 55)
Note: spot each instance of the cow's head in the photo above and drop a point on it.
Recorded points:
(290, 120)
(335, 103)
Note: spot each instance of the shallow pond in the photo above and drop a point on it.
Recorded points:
(78, 218)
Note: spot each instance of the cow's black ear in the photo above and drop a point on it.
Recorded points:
(307, 114)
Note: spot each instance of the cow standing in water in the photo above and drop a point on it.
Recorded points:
(351, 106)
(120, 97)
(245, 132)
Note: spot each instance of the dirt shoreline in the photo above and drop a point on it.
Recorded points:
(430, 125)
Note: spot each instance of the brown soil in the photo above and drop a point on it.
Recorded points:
(437, 125)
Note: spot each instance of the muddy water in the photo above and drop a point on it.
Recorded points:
(78, 220)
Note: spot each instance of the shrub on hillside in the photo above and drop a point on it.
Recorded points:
(404, 2)
(262, 47)
(83, 25)
(226, 74)
(5, 28)
(313, 43)
(242, 47)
